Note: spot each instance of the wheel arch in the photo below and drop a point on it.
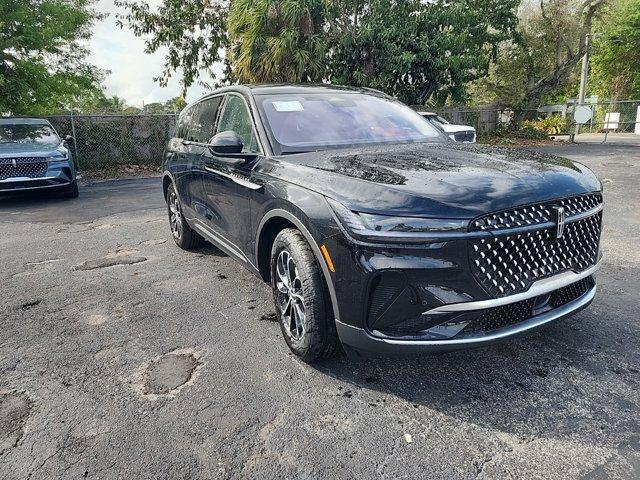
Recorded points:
(167, 180)
(271, 224)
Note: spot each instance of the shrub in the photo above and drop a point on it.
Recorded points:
(551, 125)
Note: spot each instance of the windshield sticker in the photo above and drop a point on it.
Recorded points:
(291, 106)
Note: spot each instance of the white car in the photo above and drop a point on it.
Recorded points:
(458, 133)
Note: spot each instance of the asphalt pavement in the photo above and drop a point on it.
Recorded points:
(122, 356)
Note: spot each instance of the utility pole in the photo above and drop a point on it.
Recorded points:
(583, 78)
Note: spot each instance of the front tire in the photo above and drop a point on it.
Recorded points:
(301, 298)
(182, 233)
(73, 191)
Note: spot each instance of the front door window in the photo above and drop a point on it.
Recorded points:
(235, 117)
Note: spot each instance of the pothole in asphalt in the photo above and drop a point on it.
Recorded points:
(108, 262)
(14, 410)
(167, 374)
(29, 305)
(269, 317)
(158, 241)
(123, 252)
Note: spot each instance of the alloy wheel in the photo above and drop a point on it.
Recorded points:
(290, 299)
(175, 215)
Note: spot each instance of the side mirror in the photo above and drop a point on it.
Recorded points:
(69, 139)
(226, 143)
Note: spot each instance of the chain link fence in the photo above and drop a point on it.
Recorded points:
(112, 140)
(103, 141)
(607, 117)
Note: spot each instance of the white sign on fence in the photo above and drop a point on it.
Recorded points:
(612, 121)
(637, 129)
(582, 114)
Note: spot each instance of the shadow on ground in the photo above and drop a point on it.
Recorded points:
(570, 380)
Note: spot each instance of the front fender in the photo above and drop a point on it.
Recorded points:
(307, 205)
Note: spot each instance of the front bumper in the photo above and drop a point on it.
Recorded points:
(58, 175)
(402, 299)
(361, 339)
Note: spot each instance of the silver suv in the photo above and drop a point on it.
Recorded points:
(33, 157)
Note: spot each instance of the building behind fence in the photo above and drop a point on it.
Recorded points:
(106, 140)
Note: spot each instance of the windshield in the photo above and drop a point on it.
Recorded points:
(320, 121)
(42, 134)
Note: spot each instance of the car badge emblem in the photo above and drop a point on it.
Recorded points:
(14, 162)
(559, 221)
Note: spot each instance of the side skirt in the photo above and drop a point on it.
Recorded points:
(225, 245)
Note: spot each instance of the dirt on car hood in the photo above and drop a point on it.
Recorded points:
(457, 180)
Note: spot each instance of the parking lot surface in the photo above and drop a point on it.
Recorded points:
(122, 356)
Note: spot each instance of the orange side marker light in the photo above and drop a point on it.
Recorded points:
(327, 258)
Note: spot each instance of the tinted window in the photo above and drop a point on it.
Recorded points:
(235, 117)
(203, 120)
(28, 134)
(325, 120)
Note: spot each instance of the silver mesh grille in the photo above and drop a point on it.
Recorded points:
(30, 167)
(509, 264)
(536, 214)
(466, 136)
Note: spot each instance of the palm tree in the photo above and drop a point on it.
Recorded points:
(113, 104)
(277, 40)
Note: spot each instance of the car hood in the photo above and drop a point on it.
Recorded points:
(28, 149)
(445, 180)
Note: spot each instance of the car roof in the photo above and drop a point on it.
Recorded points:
(263, 89)
(23, 121)
(288, 89)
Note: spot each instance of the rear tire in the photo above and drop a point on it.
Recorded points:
(182, 233)
(302, 301)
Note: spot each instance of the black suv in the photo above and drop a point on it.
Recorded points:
(374, 229)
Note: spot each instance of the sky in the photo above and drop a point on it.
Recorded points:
(132, 70)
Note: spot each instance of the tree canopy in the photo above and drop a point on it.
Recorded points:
(273, 41)
(194, 32)
(42, 60)
(540, 63)
(616, 58)
(417, 50)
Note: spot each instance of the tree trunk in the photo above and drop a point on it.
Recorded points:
(563, 67)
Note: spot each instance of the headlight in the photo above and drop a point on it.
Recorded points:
(57, 156)
(380, 228)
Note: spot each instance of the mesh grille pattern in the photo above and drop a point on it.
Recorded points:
(536, 214)
(509, 264)
(499, 317)
(569, 293)
(31, 167)
(466, 136)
